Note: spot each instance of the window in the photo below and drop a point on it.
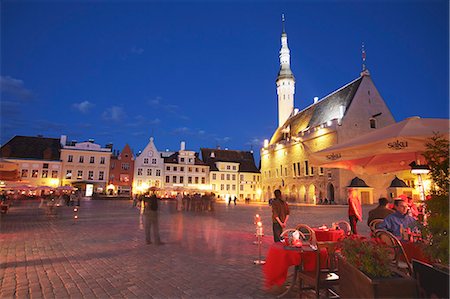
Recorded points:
(80, 174)
(242, 177)
(154, 161)
(168, 168)
(196, 169)
(145, 160)
(189, 180)
(241, 187)
(190, 169)
(234, 167)
(190, 160)
(149, 171)
(254, 178)
(214, 187)
(285, 171)
(320, 170)
(167, 179)
(125, 166)
(203, 180)
(182, 168)
(70, 158)
(24, 173)
(54, 174)
(102, 160)
(45, 166)
(101, 175)
(214, 176)
(174, 179)
(228, 167)
(91, 160)
(68, 174)
(34, 173)
(81, 159)
(233, 187)
(158, 172)
(196, 179)
(181, 159)
(175, 168)
(203, 170)
(233, 177)
(228, 176)
(312, 170)
(228, 187)
(373, 123)
(221, 186)
(306, 168)
(139, 171)
(90, 175)
(181, 179)
(124, 178)
(113, 164)
(222, 176)
(298, 168)
(45, 173)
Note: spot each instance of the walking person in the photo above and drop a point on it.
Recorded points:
(354, 210)
(151, 219)
(280, 215)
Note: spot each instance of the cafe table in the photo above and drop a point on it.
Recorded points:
(327, 234)
(280, 257)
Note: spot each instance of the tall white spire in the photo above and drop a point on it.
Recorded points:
(285, 80)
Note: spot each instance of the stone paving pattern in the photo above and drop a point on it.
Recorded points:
(103, 254)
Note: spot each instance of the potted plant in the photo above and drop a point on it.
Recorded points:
(365, 271)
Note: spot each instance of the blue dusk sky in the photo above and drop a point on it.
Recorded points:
(204, 72)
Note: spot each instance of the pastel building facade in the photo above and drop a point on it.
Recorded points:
(148, 169)
(121, 172)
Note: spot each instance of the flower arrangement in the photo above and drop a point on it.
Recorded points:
(370, 256)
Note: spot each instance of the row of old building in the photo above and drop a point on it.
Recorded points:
(41, 161)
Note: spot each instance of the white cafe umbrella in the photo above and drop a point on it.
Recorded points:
(384, 150)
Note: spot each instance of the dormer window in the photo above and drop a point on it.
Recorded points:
(373, 123)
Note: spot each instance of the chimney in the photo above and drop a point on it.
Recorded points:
(212, 155)
(91, 140)
(295, 111)
(316, 99)
(63, 140)
(183, 146)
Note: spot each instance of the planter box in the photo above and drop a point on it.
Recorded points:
(355, 284)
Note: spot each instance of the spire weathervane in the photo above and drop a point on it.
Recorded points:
(282, 21)
(363, 55)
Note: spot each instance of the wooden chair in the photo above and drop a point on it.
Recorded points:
(373, 225)
(345, 226)
(321, 278)
(287, 232)
(398, 255)
(308, 233)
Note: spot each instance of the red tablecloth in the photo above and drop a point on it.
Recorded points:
(323, 235)
(279, 258)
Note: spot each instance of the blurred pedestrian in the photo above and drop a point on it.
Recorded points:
(354, 210)
(151, 219)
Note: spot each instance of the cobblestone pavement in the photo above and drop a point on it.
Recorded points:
(103, 254)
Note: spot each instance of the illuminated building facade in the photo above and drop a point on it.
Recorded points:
(37, 159)
(350, 111)
(85, 165)
(233, 174)
(148, 169)
(121, 172)
(184, 171)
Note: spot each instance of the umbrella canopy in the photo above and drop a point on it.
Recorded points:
(388, 149)
(44, 188)
(66, 188)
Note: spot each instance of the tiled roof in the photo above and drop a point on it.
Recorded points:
(244, 158)
(26, 147)
(324, 110)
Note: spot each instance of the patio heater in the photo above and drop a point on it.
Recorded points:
(418, 169)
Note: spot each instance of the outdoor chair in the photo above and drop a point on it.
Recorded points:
(287, 233)
(345, 226)
(373, 225)
(308, 233)
(320, 278)
(397, 255)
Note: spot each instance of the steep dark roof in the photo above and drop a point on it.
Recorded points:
(26, 147)
(244, 158)
(324, 110)
(357, 182)
(398, 183)
(174, 159)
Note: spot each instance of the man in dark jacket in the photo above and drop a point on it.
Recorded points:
(381, 211)
(280, 215)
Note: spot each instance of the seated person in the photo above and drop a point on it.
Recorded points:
(381, 211)
(413, 210)
(400, 219)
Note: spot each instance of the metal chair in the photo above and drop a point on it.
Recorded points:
(373, 224)
(320, 278)
(397, 255)
(288, 232)
(308, 233)
(345, 226)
